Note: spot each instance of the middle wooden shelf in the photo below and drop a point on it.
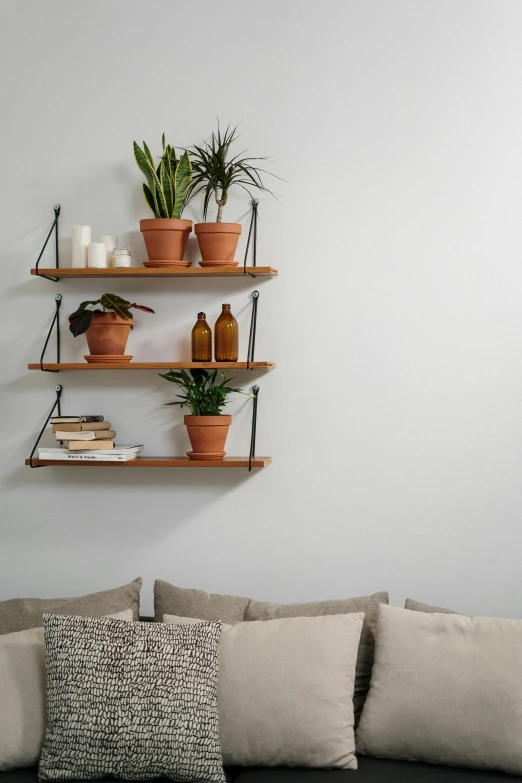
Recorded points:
(154, 366)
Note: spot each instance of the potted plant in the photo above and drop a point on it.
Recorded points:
(205, 398)
(165, 192)
(215, 171)
(106, 330)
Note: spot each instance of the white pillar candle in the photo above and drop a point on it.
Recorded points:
(97, 255)
(85, 241)
(110, 243)
(76, 247)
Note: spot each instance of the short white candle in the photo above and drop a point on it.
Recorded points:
(97, 255)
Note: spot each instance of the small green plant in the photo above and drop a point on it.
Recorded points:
(81, 319)
(167, 184)
(201, 394)
(215, 172)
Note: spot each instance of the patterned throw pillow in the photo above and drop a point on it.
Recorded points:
(131, 700)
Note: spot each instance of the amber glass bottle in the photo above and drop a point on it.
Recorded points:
(201, 340)
(225, 337)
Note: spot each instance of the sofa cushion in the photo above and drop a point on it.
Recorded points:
(23, 695)
(416, 606)
(445, 689)
(285, 691)
(131, 700)
(19, 614)
(172, 600)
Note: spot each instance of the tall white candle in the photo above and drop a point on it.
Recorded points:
(97, 255)
(85, 241)
(76, 247)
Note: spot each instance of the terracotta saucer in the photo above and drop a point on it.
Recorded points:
(218, 263)
(162, 264)
(211, 455)
(93, 358)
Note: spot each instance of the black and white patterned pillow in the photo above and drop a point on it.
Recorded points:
(131, 700)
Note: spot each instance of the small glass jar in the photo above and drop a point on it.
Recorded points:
(121, 257)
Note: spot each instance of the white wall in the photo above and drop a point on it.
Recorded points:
(394, 416)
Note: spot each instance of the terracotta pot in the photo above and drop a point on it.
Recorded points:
(166, 238)
(218, 243)
(108, 334)
(207, 436)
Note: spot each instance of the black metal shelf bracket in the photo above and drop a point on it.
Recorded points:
(53, 227)
(253, 327)
(57, 404)
(255, 395)
(252, 231)
(56, 320)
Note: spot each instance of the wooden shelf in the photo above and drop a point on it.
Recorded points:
(158, 462)
(156, 366)
(191, 271)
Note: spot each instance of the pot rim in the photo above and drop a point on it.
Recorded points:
(218, 228)
(165, 224)
(222, 420)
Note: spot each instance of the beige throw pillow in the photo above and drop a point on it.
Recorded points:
(23, 696)
(445, 689)
(169, 599)
(285, 691)
(19, 614)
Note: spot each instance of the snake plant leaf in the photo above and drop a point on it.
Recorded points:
(163, 140)
(166, 186)
(148, 153)
(182, 182)
(79, 322)
(117, 304)
(144, 165)
(149, 198)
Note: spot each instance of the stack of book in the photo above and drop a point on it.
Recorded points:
(87, 437)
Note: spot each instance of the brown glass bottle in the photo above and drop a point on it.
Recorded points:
(226, 337)
(201, 340)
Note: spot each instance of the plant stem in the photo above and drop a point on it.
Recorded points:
(221, 203)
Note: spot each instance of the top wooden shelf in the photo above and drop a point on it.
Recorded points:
(191, 271)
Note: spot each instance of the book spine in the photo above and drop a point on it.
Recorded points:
(52, 455)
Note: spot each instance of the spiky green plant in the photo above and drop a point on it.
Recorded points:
(167, 184)
(215, 172)
(201, 394)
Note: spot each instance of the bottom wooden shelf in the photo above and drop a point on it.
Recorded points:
(157, 462)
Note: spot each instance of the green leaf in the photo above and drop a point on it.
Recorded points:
(117, 305)
(148, 153)
(182, 180)
(79, 322)
(144, 165)
(149, 199)
(166, 188)
(147, 167)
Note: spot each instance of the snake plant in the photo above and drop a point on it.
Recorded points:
(167, 184)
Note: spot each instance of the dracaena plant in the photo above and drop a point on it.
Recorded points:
(215, 171)
(167, 184)
(81, 319)
(202, 394)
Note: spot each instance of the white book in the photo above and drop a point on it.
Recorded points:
(67, 456)
(116, 450)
